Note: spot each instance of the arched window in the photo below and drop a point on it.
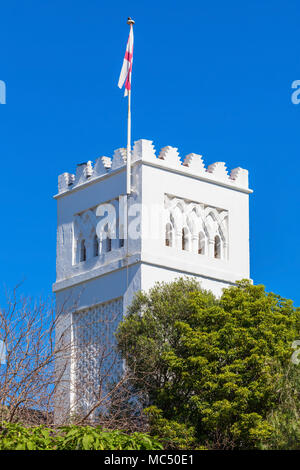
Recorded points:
(185, 239)
(169, 235)
(82, 251)
(217, 247)
(106, 240)
(108, 243)
(201, 244)
(96, 246)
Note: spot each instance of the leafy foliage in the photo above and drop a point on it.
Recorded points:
(89, 438)
(14, 436)
(284, 419)
(208, 363)
(172, 434)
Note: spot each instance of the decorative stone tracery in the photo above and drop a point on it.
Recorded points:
(95, 358)
(196, 227)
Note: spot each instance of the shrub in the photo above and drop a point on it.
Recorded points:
(14, 436)
(208, 363)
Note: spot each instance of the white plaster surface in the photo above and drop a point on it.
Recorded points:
(220, 201)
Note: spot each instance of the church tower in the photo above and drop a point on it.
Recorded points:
(183, 219)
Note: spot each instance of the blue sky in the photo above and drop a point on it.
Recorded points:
(209, 77)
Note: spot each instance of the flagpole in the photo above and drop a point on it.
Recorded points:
(128, 160)
(130, 22)
(128, 171)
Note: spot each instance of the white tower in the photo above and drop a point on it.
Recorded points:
(184, 220)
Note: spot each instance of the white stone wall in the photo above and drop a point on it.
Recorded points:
(167, 189)
(210, 192)
(162, 274)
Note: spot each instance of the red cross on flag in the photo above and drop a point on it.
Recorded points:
(125, 75)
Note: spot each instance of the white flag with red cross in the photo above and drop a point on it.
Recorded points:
(125, 75)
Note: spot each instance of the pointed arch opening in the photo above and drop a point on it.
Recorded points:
(169, 235)
(108, 243)
(82, 251)
(201, 243)
(217, 247)
(185, 239)
(96, 246)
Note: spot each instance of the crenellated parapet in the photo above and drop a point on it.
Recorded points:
(169, 158)
(195, 163)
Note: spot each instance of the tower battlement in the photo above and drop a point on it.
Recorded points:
(168, 158)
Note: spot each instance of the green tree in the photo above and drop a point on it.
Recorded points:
(208, 363)
(284, 419)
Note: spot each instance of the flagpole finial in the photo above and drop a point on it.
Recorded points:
(130, 21)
